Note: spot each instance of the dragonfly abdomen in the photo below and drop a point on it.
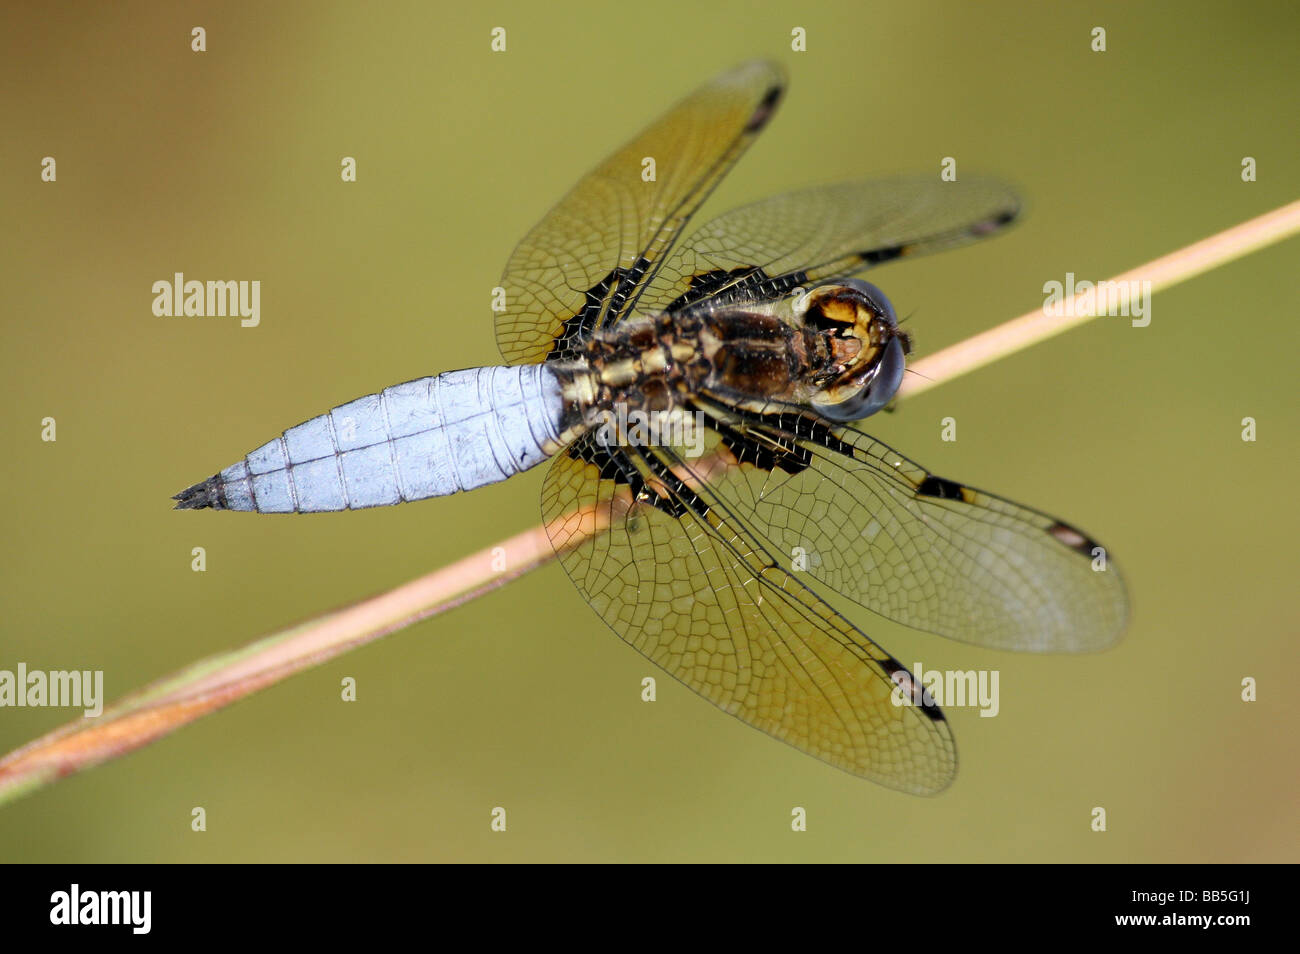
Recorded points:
(426, 438)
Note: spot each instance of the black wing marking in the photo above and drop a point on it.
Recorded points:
(590, 256)
(913, 547)
(798, 239)
(683, 581)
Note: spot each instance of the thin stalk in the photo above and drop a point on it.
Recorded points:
(219, 680)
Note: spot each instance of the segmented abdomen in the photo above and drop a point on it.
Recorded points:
(426, 438)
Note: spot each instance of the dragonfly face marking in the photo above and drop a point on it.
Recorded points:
(754, 325)
(866, 349)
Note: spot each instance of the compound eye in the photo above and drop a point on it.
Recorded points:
(878, 392)
(875, 296)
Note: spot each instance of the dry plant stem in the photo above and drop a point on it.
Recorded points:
(1043, 323)
(220, 680)
(213, 683)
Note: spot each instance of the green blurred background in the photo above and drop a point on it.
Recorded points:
(226, 165)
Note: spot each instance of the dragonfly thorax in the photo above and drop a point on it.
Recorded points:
(836, 350)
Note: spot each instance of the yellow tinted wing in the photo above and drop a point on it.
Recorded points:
(588, 259)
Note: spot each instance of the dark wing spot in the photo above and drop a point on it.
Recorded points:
(783, 432)
(748, 283)
(921, 699)
(615, 466)
(704, 284)
(764, 110)
(761, 454)
(817, 431)
(682, 498)
(608, 297)
(1072, 538)
(992, 225)
(943, 488)
(876, 256)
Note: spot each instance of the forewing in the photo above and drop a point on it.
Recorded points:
(914, 547)
(801, 238)
(690, 588)
(589, 258)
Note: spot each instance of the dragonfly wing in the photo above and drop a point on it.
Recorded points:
(592, 254)
(911, 546)
(693, 590)
(798, 239)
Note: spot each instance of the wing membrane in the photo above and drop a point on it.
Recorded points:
(768, 248)
(913, 547)
(590, 256)
(688, 586)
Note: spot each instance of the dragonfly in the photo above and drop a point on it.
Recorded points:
(696, 398)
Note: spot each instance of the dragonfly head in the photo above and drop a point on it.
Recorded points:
(861, 350)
